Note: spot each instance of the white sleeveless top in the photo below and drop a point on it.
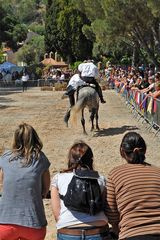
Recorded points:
(68, 218)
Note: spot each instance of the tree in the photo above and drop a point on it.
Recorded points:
(125, 22)
(19, 33)
(17, 16)
(32, 52)
(135, 23)
(64, 31)
(7, 24)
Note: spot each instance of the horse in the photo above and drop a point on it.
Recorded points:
(87, 98)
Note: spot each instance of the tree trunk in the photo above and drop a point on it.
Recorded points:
(134, 56)
(144, 44)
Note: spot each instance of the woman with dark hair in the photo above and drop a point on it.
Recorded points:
(73, 224)
(26, 181)
(133, 193)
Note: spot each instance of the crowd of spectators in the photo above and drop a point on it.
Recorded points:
(8, 78)
(56, 74)
(144, 80)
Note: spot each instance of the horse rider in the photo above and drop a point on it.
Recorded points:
(72, 86)
(88, 73)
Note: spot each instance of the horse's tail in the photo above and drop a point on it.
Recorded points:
(76, 109)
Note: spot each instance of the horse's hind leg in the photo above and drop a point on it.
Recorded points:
(83, 122)
(92, 119)
(97, 126)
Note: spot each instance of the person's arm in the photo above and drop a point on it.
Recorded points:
(145, 90)
(156, 95)
(45, 183)
(111, 210)
(55, 202)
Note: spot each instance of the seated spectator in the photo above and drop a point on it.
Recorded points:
(77, 225)
(133, 193)
(26, 180)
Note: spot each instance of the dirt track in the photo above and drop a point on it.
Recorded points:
(45, 111)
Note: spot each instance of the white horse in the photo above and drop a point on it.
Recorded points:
(87, 98)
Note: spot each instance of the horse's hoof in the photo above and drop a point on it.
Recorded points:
(85, 133)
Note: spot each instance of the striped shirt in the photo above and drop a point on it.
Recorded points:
(133, 199)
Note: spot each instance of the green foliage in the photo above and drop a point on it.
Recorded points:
(32, 52)
(17, 16)
(123, 22)
(37, 28)
(7, 24)
(78, 29)
(154, 5)
(64, 31)
(38, 72)
(19, 33)
(1, 55)
(74, 66)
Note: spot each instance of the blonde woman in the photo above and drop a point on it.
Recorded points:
(26, 181)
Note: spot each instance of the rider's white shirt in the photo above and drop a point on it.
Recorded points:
(76, 81)
(88, 69)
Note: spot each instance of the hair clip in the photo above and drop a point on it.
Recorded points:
(137, 149)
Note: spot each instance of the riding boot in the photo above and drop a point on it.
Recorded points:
(69, 91)
(71, 99)
(99, 91)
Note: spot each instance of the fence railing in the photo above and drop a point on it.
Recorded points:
(142, 105)
(31, 83)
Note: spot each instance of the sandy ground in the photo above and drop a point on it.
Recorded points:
(45, 110)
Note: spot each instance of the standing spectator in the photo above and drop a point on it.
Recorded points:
(1, 76)
(7, 78)
(25, 78)
(156, 93)
(88, 73)
(70, 224)
(58, 75)
(26, 180)
(151, 86)
(133, 193)
(157, 77)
